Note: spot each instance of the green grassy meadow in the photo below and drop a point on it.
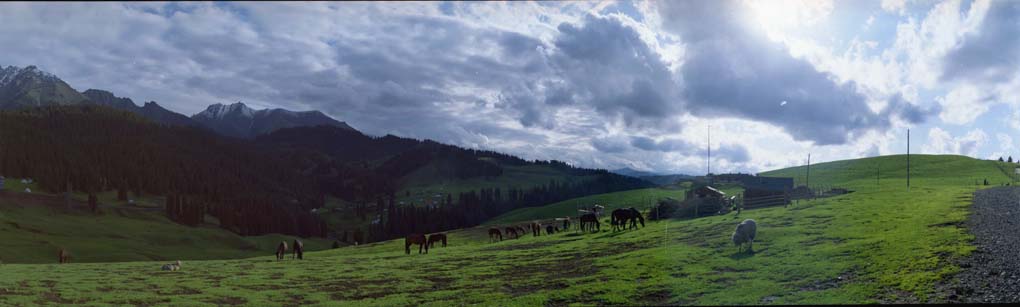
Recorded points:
(34, 229)
(878, 244)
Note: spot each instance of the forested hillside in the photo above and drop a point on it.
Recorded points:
(414, 186)
(92, 149)
(271, 184)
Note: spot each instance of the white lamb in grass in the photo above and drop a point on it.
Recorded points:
(172, 266)
(745, 234)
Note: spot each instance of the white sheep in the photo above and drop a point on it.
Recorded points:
(172, 266)
(745, 234)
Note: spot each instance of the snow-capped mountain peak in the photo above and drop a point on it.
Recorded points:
(220, 111)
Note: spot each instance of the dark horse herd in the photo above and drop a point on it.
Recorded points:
(298, 251)
(620, 219)
(423, 242)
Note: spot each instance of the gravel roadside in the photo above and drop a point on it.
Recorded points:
(991, 274)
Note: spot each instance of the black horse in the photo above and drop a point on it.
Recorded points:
(590, 222)
(550, 229)
(437, 237)
(621, 217)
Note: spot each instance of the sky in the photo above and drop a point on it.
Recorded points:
(607, 84)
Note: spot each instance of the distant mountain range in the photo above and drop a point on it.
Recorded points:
(32, 87)
(238, 120)
(655, 178)
(626, 171)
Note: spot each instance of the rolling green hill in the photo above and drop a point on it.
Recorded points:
(642, 199)
(880, 244)
(892, 170)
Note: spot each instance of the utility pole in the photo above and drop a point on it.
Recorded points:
(709, 161)
(808, 179)
(908, 160)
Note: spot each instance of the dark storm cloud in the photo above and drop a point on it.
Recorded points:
(666, 145)
(990, 54)
(733, 70)
(610, 144)
(612, 69)
(910, 113)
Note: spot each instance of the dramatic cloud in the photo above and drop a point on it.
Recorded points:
(732, 69)
(609, 84)
(992, 53)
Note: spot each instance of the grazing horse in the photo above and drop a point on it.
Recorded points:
(512, 231)
(621, 217)
(415, 238)
(520, 230)
(281, 250)
(550, 229)
(437, 237)
(635, 217)
(566, 222)
(299, 250)
(494, 233)
(590, 222)
(616, 218)
(64, 256)
(536, 229)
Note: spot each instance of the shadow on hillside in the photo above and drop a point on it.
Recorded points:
(745, 255)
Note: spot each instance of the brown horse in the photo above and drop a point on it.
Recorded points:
(512, 231)
(590, 222)
(299, 250)
(415, 238)
(281, 250)
(550, 229)
(520, 230)
(494, 233)
(536, 229)
(64, 256)
(437, 237)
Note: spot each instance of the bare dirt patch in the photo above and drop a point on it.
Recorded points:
(228, 300)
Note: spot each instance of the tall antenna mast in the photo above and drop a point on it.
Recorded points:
(808, 179)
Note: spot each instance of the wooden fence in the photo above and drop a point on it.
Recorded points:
(766, 201)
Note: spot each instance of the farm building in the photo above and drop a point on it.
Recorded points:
(767, 183)
(732, 178)
(707, 191)
(767, 191)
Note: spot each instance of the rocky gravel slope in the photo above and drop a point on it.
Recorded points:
(991, 274)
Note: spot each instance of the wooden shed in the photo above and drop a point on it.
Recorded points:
(708, 191)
